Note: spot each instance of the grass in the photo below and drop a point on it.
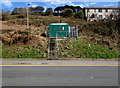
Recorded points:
(44, 20)
(23, 52)
(83, 49)
(0, 51)
(68, 49)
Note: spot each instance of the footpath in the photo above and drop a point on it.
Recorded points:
(35, 62)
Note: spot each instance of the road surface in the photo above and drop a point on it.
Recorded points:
(60, 75)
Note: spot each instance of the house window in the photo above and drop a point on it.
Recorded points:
(114, 10)
(100, 17)
(106, 10)
(87, 10)
(92, 16)
(94, 10)
(99, 10)
(106, 17)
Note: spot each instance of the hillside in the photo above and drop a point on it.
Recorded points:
(22, 43)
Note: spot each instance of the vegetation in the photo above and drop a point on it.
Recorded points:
(24, 10)
(6, 15)
(48, 12)
(68, 13)
(68, 49)
(97, 39)
(24, 44)
(19, 11)
(104, 28)
(82, 49)
(25, 51)
(79, 14)
(60, 10)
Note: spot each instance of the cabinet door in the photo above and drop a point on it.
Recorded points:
(53, 30)
(62, 31)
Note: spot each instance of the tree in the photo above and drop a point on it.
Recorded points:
(15, 11)
(68, 13)
(39, 9)
(31, 9)
(60, 10)
(18, 11)
(79, 14)
(48, 11)
(5, 15)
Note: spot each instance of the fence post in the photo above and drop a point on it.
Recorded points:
(76, 28)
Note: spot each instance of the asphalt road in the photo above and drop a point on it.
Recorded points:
(60, 76)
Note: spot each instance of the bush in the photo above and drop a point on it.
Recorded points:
(68, 13)
(79, 14)
(37, 13)
(20, 16)
(6, 15)
(104, 28)
(48, 12)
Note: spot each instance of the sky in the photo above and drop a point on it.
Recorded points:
(11, 4)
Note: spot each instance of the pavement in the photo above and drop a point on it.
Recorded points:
(34, 62)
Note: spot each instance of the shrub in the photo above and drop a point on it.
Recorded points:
(48, 12)
(6, 15)
(20, 16)
(79, 14)
(68, 13)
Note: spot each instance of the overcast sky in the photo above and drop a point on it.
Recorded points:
(11, 4)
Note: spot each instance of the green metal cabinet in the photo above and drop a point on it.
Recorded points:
(58, 30)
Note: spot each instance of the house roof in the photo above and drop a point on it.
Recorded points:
(101, 7)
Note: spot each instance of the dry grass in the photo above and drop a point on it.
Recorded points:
(23, 38)
(86, 29)
(6, 26)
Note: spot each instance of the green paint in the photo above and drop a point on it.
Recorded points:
(58, 30)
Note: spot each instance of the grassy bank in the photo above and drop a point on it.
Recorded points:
(83, 49)
(103, 32)
(97, 39)
(68, 49)
(18, 51)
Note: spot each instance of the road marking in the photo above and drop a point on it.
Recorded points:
(68, 65)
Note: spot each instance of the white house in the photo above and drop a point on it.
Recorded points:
(99, 13)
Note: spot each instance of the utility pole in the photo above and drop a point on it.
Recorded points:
(28, 16)
(59, 16)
